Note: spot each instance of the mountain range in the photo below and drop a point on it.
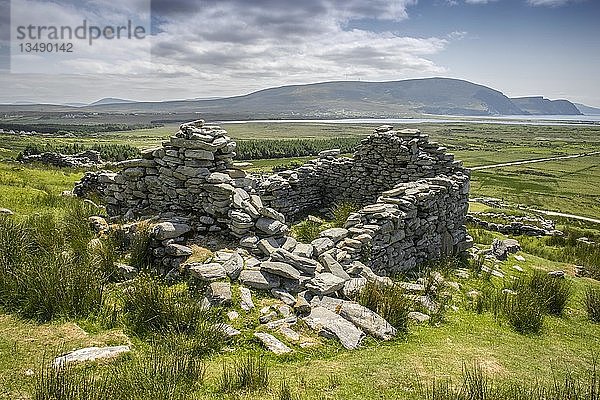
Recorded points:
(343, 99)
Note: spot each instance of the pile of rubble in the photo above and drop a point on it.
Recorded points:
(85, 159)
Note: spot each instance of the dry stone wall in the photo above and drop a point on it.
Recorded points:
(382, 160)
(414, 199)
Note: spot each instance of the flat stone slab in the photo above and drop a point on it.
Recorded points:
(335, 234)
(280, 269)
(331, 265)
(325, 283)
(170, 230)
(329, 324)
(219, 293)
(272, 343)
(207, 272)
(304, 264)
(91, 354)
(258, 279)
(364, 318)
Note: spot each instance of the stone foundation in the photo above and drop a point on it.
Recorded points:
(414, 197)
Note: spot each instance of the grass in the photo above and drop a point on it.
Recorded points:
(477, 385)
(592, 303)
(388, 301)
(249, 373)
(164, 373)
(378, 370)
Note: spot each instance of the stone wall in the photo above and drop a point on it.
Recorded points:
(414, 198)
(382, 160)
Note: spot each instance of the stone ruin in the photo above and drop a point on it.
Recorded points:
(413, 200)
(85, 159)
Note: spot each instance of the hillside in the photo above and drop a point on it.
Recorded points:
(587, 110)
(344, 99)
(538, 105)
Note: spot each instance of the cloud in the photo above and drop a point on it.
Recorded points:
(227, 47)
(549, 3)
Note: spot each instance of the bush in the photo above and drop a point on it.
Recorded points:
(387, 301)
(46, 269)
(307, 231)
(592, 303)
(341, 212)
(249, 373)
(554, 293)
(522, 310)
(141, 252)
(152, 308)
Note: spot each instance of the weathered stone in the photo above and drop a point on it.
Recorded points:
(6, 211)
(177, 250)
(330, 324)
(91, 354)
(272, 343)
(170, 230)
(207, 272)
(234, 265)
(271, 226)
(302, 304)
(353, 287)
(268, 246)
(228, 330)
(219, 293)
(304, 264)
(246, 302)
(325, 283)
(334, 267)
(284, 296)
(335, 234)
(258, 279)
(280, 269)
(365, 319)
(289, 333)
(99, 224)
(418, 317)
(321, 245)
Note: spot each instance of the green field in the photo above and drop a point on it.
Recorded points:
(391, 370)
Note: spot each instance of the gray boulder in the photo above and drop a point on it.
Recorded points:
(207, 272)
(258, 279)
(280, 269)
(325, 283)
(332, 325)
(272, 343)
(170, 230)
(219, 293)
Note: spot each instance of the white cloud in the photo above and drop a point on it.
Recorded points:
(549, 3)
(228, 47)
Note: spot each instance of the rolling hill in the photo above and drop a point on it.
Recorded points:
(343, 99)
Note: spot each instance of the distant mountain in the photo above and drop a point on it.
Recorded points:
(346, 99)
(111, 100)
(587, 110)
(538, 105)
(343, 99)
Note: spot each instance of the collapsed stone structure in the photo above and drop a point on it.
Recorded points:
(85, 159)
(414, 196)
(413, 199)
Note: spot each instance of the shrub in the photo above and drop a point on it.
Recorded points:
(249, 373)
(522, 310)
(46, 270)
(152, 308)
(341, 212)
(141, 252)
(388, 301)
(307, 231)
(592, 303)
(552, 292)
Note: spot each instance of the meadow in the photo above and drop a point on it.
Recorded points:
(465, 338)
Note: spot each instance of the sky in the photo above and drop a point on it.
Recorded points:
(215, 48)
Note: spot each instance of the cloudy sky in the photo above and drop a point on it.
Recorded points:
(208, 48)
